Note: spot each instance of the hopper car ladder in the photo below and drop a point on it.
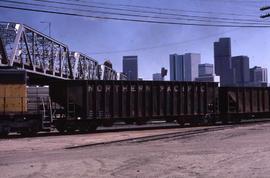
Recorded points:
(47, 118)
(71, 110)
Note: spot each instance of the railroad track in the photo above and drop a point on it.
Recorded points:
(115, 128)
(122, 128)
(170, 136)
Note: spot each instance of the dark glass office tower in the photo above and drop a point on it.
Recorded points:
(130, 67)
(222, 59)
(240, 67)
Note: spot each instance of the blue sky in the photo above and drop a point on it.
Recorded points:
(101, 39)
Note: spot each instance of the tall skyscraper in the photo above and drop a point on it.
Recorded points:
(130, 67)
(184, 67)
(176, 61)
(222, 59)
(240, 68)
(258, 76)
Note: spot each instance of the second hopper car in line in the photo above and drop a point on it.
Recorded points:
(91, 103)
(88, 104)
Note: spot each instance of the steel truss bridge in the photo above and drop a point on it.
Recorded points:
(45, 58)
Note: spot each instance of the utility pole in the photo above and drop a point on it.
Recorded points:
(264, 9)
(49, 23)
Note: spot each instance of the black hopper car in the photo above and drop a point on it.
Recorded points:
(241, 103)
(89, 104)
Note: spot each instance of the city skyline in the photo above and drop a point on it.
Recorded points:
(228, 70)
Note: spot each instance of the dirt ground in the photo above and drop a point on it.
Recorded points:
(242, 151)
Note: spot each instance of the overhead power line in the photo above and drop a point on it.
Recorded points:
(265, 16)
(162, 9)
(132, 20)
(265, 8)
(143, 11)
(134, 15)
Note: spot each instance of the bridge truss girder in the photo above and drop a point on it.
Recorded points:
(84, 67)
(35, 52)
(43, 57)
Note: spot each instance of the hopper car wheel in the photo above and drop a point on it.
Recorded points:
(60, 126)
(169, 120)
(33, 131)
(194, 122)
(60, 129)
(29, 132)
(205, 120)
(4, 133)
(83, 129)
(225, 121)
(181, 122)
(212, 120)
(70, 130)
(237, 121)
(141, 121)
(92, 127)
(129, 121)
(108, 123)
